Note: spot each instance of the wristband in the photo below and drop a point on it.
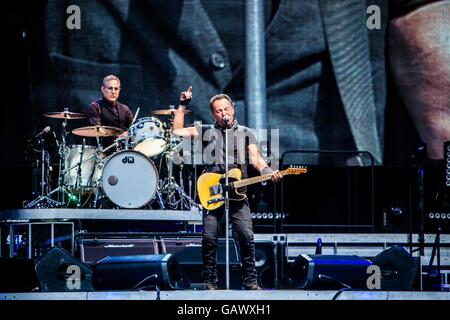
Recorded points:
(185, 102)
(266, 170)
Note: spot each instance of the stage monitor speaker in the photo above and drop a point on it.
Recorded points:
(398, 269)
(329, 272)
(266, 262)
(59, 271)
(17, 275)
(140, 272)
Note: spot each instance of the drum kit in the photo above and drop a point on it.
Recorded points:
(121, 175)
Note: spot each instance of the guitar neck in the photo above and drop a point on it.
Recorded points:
(249, 181)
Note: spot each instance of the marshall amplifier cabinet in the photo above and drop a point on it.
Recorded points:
(93, 250)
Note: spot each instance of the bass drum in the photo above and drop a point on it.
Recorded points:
(128, 178)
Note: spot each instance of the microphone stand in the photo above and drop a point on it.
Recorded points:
(227, 208)
(78, 180)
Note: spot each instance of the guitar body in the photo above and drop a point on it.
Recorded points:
(210, 189)
(210, 186)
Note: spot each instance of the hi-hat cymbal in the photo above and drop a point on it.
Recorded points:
(65, 115)
(97, 131)
(169, 112)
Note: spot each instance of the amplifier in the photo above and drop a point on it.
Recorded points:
(189, 249)
(93, 250)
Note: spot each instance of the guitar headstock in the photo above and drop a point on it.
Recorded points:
(297, 170)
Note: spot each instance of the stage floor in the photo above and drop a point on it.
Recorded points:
(272, 249)
(265, 295)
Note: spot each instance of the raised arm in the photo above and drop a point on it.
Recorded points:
(178, 121)
(419, 52)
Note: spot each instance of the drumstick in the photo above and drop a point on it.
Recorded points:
(109, 147)
(135, 116)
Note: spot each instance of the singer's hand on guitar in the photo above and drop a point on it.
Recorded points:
(276, 176)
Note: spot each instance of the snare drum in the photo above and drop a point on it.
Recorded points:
(147, 136)
(75, 153)
(128, 178)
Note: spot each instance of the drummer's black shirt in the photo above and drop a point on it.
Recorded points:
(104, 113)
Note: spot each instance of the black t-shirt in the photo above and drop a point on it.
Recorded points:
(213, 142)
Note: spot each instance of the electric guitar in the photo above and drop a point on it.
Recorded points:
(211, 186)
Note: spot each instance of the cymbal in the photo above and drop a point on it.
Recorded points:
(97, 131)
(169, 112)
(65, 115)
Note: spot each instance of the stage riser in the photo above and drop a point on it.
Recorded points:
(322, 200)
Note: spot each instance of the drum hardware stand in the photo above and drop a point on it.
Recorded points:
(45, 196)
(43, 201)
(169, 185)
(171, 189)
(62, 160)
(160, 199)
(97, 198)
(61, 189)
(96, 187)
(99, 151)
(78, 179)
(97, 154)
(63, 153)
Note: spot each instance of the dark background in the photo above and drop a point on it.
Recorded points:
(339, 195)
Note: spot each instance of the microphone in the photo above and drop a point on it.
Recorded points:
(45, 130)
(225, 119)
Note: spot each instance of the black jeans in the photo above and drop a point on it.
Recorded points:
(240, 219)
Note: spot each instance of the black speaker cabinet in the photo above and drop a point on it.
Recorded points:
(266, 263)
(328, 272)
(398, 269)
(93, 250)
(140, 272)
(17, 275)
(58, 271)
(188, 252)
(395, 199)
